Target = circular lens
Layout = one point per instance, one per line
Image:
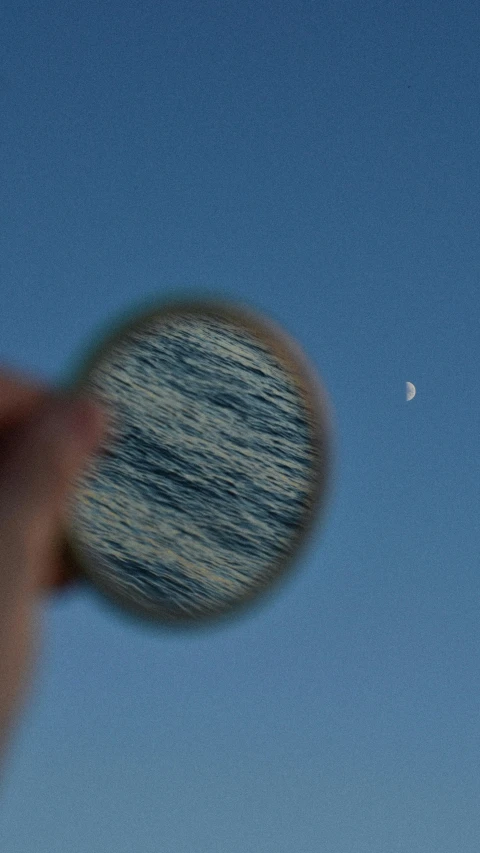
(214, 467)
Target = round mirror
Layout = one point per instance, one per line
(215, 466)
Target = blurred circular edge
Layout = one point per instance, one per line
(316, 402)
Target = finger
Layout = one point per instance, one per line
(37, 469)
(19, 394)
(64, 574)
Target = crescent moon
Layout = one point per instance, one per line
(410, 391)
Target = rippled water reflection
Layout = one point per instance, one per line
(209, 475)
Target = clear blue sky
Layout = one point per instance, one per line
(320, 162)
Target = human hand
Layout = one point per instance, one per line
(45, 441)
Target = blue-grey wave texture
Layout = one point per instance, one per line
(207, 476)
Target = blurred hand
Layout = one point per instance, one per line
(45, 441)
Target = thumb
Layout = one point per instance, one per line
(38, 464)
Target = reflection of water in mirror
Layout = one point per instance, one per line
(209, 475)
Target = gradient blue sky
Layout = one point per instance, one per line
(320, 162)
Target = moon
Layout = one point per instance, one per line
(410, 391)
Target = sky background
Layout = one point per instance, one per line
(318, 161)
